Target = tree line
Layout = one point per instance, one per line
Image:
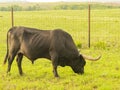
(38, 7)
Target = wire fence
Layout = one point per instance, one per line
(89, 27)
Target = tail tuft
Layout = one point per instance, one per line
(6, 57)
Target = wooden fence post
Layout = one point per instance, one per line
(89, 10)
(12, 17)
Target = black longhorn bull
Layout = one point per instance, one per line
(55, 45)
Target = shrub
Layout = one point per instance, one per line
(79, 45)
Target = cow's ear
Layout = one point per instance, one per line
(80, 55)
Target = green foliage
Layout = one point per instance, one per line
(55, 6)
(71, 7)
(36, 7)
(5, 8)
(79, 45)
(17, 8)
(103, 6)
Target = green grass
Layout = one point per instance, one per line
(101, 75)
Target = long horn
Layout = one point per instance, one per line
(91, 58)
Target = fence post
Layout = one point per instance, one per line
(12, 17)
(89, 9)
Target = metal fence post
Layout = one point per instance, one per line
(12, 17)
(89, 10)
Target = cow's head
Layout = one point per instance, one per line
(78, 64)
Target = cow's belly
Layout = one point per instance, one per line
(34, 53)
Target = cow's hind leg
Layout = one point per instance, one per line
(10, 60)
(19, 60)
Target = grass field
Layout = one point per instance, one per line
(100, 75)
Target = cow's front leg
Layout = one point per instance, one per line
(55, 70)
(19, 60)
(54, 59)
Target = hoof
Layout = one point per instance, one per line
(21, 74)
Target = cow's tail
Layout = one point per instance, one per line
(6, 57)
